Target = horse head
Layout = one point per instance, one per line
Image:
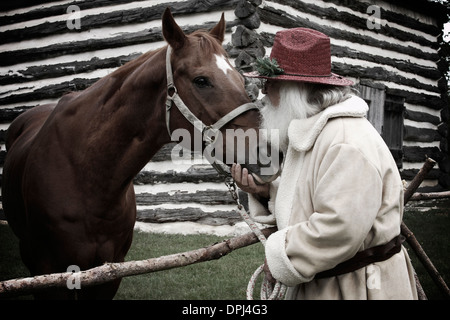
(212, 103)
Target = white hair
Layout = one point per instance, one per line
(298, 100)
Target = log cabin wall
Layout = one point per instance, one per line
(389, 48)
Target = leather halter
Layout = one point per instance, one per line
(207, 130)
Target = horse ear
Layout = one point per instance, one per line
(219, 30)
(171, 31)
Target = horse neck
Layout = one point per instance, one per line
(123, 120)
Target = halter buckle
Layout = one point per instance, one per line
(175, 91)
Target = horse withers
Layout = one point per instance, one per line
(68, 176)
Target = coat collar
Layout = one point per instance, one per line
(303, 133)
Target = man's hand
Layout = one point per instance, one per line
(245, 181)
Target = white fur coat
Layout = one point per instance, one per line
(340, 192)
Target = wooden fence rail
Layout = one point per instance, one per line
(112, 271)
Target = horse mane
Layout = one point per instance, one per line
(208, 43)
(128, 68)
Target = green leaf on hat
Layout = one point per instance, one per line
(268, 67)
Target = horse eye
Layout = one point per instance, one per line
(202, 82)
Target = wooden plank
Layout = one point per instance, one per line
(40, 72)
(189, 214)
(392, 124)
(50, 91)
(67, 48)
(421, 117)
(7, 115)
(420, 154)
(375, 99)
(192, 175)
(409, 174)
(421, 134)
(426, 100)
(209, 197)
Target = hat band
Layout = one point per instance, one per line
(304, 75)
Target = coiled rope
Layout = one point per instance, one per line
(267, 292)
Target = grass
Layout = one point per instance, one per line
(432, 229)
(227, 277)
(224, 279)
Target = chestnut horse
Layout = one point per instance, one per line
(68, 177)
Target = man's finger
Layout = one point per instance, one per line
(237, 173)
(244, 177)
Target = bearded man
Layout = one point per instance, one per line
(338, 203)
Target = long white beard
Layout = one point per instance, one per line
(276, 119)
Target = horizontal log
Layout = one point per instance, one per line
(396, 17)
(112, 271)
(192, 175)
(209, 197)
(7, 115)
(67, 48)
(420, 154)
(420, 134)
(421, 117)
(40, 72)
(418, 196)
(380, 74)
(49, 92)
(56, 10)
(420, 99)
(215, 218)
(409, 174)
(333, 14)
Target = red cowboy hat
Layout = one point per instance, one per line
(302, 55)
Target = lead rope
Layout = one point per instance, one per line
(267, 293)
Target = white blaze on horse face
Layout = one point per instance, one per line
(223, 64)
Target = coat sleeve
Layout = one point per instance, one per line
(346, 195)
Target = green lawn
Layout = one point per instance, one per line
(227, 277)
(432, 230)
